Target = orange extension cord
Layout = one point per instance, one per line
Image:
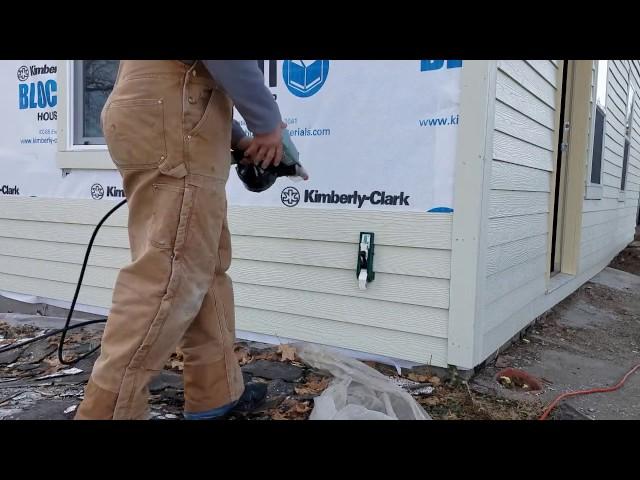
(553, 404)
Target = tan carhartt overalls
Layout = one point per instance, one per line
(168, 129)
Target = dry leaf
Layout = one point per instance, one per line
(287, 352)
(432, 379)
(418, 378)
(291, 409)
(302, 407)
(313, 387)
(243, 354)
(430, 401)
(74, 338)
(300, 411)
(175, 361)
(271, 355)
(179, 364)
(319, 385)
(278, 416)
(54, 364)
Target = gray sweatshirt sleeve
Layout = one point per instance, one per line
(244, 83)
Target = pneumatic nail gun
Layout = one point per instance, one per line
(258, 179)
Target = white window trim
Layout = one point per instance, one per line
(70, 156)
(593, 191)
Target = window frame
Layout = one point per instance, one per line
(69, 155)
(593, 191)
(631, 98)
(77, 84)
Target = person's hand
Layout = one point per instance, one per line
(267, 148)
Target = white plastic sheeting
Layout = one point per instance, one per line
(357, 392)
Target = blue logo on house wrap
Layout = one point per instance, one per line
(304, 78)
(431, 65)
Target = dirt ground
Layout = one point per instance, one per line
(629, 259)
(27, 392)
(590, 340)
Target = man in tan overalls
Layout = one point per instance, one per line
(168, 127)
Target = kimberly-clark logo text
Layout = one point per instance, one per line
(98, 191)
(9, 190)
(290, 197)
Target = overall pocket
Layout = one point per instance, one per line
(169, 204)
(135, 133)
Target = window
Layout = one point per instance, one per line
(628, 130)
(599, 122)
(598, 144)
(93, 81)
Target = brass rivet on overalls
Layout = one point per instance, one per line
(193, 72)
(191, 100)
(159, 101)
(188, 137)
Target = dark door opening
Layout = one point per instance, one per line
(563, 142)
